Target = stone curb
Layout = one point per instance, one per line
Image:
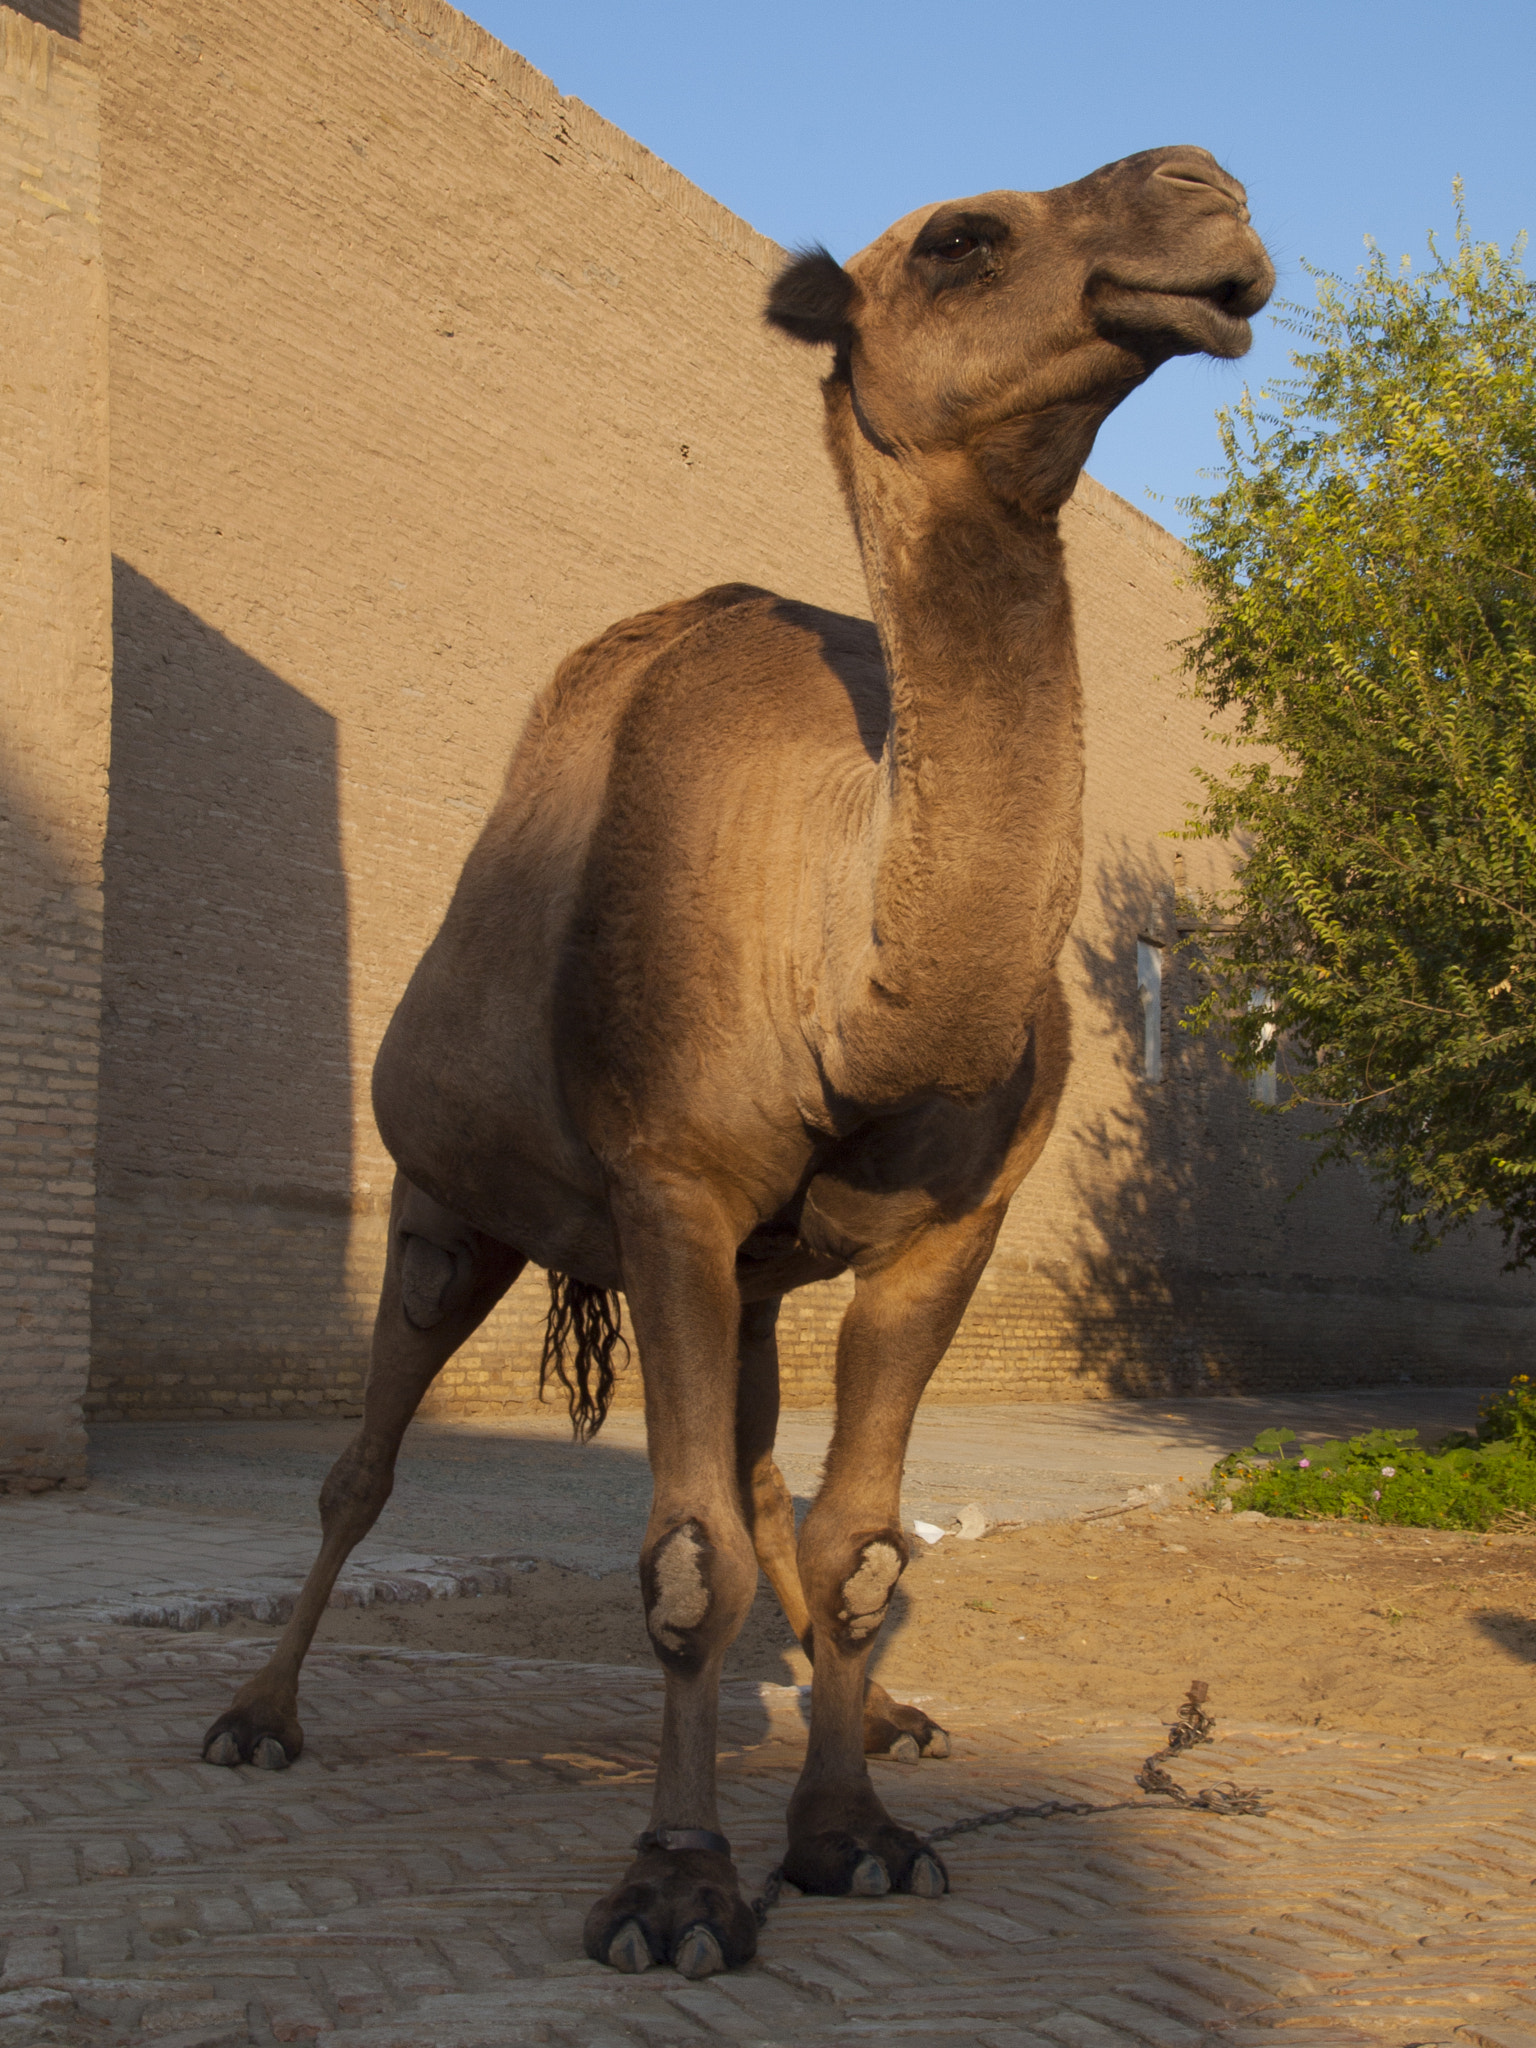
(391, 1581)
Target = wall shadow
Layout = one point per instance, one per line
(62, 16)
(48, 947)
(225, 1134)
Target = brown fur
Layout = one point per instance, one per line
(751, 978)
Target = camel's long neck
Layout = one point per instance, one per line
(977, 835)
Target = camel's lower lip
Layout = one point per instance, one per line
(1234, 323)
(1221, 303)
(1144, 309)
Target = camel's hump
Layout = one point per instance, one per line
(607, 666)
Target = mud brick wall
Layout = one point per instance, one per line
(420, 375)
(54, 721)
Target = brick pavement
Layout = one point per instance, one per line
(418, 1879)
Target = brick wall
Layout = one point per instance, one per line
(54, 699)
(420, 375)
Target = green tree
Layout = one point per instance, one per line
(1369, 565)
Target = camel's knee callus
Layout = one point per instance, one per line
(677, 1595)
(867, 1591)
(355, 1489)
(426, 1273)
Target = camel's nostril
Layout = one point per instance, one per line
(1207, 179)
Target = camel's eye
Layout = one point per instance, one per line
(961, 250)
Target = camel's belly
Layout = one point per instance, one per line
(550, 1223)
(463, 1122)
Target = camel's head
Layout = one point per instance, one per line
(1011, 325)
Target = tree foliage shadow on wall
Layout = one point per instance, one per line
(1178, 1180)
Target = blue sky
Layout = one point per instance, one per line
(827, 122)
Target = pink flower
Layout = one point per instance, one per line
(1389, 1471)
(1376, 1493)
(1305, 1463)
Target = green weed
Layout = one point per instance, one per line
(1469, 1481)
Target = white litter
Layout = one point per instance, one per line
(929, 1531)
(972, 1523)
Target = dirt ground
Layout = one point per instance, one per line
(1402, 1631)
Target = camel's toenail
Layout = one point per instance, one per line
(937, 1743)
(699, 1953)
(870, 1880)
(926, 1878)
(224, 1750)
(904, 1750)
(270, 1755)
(629, 1950)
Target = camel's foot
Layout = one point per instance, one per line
(679, 1906)
(256, 1729)
(902, 1733)
(847, 1844)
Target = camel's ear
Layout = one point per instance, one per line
(813, 298)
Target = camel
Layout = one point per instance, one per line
(751, 981)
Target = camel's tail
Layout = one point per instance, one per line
(587, 1319)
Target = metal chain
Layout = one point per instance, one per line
(1193, 1726)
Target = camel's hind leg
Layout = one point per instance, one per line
(766, 1500)
(890, 1729)
(441, 1281)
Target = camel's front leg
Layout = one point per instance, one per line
(679, 1901)
(890, 1727)
(852, 1552)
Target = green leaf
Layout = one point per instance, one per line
(1329, 1455)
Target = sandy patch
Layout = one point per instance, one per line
(1398, 1630)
